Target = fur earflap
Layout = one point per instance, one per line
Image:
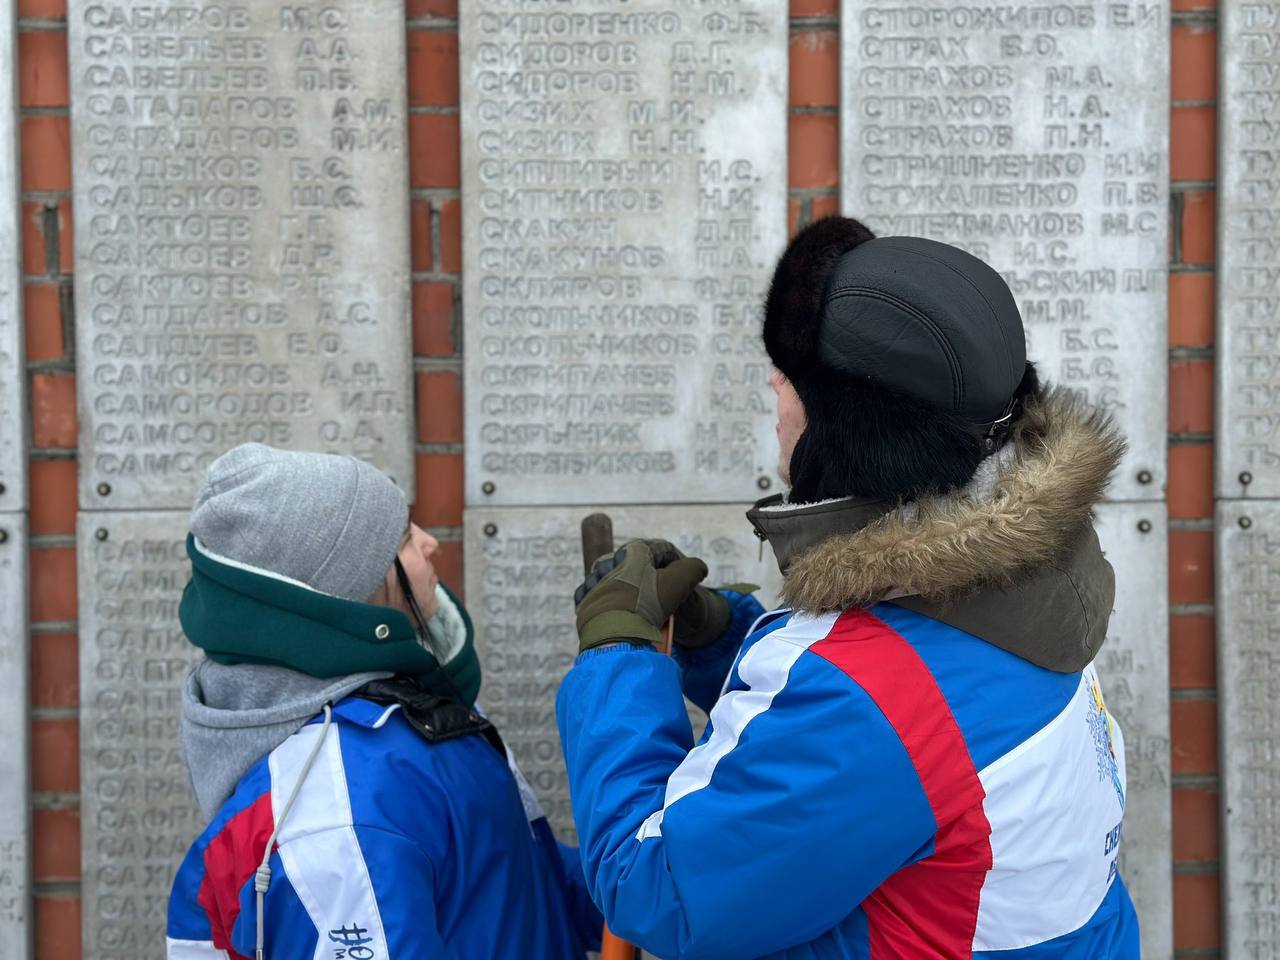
(864, 440)
(794, 304)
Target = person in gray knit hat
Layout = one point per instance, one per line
(333, 742)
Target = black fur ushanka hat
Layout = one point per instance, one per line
(909, 357)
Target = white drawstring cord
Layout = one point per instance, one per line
(262, 877)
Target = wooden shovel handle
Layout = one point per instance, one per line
(597, 542)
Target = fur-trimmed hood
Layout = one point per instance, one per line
(1019, 534)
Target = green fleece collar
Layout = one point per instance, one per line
(239, 615)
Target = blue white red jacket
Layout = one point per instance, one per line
(396, 848)
(875, 782)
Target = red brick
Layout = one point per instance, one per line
(1193, 727)
(433, 68)
(53, 410)
(433, 320)
(53, 583)
(53, 496)
(1191, 396)
(439, 489)
(1191, 653)
(793, 217)
(51, 9)
(46, 153)
(56, 846)
(1191, 309)
(1194, 62)
(1196, 912)
(439, 407)
(1199, 218)
(58, 928)
(55, 670)
(1190, 481)
(42, 63)
(1195, 824)
(448, 563)
(55, 755)
(813, 150)
(1193, 139)
(434, 150)
(1190, 566)
(451, 236)
(815, 68)
(420, 226)
(824, 207)
(815, 8)
(42, 309)
(431, 8)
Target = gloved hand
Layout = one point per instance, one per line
(629, 596)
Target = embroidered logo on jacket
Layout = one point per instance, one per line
(1101, 726)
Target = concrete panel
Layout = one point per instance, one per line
(624, 179)
(13, 392)
(16, 928)
(1248, 345)
(1036, 136)
(242, 239)
(136, 809)
(522, 566)
(1134, 669)
(1248, 571)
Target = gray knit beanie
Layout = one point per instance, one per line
(334, 523)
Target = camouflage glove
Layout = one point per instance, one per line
(629, 596)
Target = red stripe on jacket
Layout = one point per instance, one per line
(930, 908)
(230, 860)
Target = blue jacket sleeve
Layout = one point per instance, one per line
(702, 671)
(800, 804)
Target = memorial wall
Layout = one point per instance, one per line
(1036, 136)
(624, 200)
(1248, 477)
(242, 239)
(16, 928)
(242, 251)
(242, 272)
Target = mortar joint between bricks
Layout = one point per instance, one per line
(44, 112)
(450, 449)
(440, 110)
(42, 24)
(437, 24)
(814, 23)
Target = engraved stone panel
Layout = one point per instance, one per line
(1248, 571)
(522, 566)
(242, 245)
(1134, 669)
(624, 198)
(1035, 136)
(16, 929)
(137, 813)
(13, 426)
(1248, 436)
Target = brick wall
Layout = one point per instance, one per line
(813, 140)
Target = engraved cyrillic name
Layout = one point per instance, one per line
(624, 179)
(241, 238)
(1248, 437)
(13, 429)
(1134, 668)
(137, 813)
(1034, 135)
(16, 928)
(522, 566)
(1248, 692)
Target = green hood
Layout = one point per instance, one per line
(237, 615)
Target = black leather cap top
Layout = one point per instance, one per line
(926, 319)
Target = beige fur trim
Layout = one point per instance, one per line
(1065, 455)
